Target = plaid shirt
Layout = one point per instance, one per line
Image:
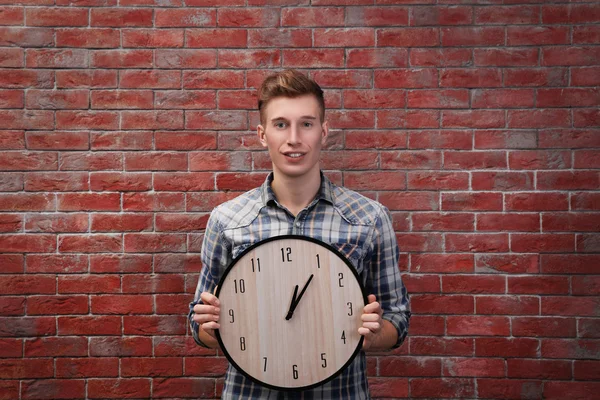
(357, 226)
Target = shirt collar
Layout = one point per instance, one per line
(325, 191)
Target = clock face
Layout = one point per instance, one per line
(291, 307)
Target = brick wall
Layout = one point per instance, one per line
(123, 123)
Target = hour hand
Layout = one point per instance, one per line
(292, 304)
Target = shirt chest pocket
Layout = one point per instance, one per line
(352, 253)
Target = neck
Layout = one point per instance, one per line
(296, 193)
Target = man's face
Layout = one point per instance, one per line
(294, 134)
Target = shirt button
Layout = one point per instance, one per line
(298, 224)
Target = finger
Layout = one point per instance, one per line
(364, 332)
(372, 308)
(204, 309)
(372, 326)
(208, 298)
(203, 318)
(210, 326)
(371, 298)
(370, 318)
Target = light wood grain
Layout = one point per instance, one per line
(317, 323)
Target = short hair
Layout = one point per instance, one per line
(288, 83)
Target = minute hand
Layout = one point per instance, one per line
(295, 304)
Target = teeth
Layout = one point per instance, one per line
(294, 155)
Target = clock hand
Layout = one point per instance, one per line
(292, 304)
(291, 312)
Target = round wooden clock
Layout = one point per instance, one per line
(291, 307)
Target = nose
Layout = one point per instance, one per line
(294, 136)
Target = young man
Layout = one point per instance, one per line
(297, 198)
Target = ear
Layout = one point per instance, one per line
(260, 131)
(325, 133)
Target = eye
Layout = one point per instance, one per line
(280, 125)
(307, 124)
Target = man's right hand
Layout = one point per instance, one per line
(207, 316)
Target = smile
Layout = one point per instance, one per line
(294, 155)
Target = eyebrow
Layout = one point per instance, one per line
(302, 117)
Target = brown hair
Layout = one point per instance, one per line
(288, 83)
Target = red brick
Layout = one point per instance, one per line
(56, 222)
(118, 388)
(444, 139)
(567, 97)
(422, 283)
(444, 57)
(507, 15)
(586, 285)
(442, 387)
(206, 366)
(56, 346)
(427, 325)
(477, 325)
(574, 390)
(312, 16)
(154, 325)
(537, 35)
(119, 99)
(572, 306)
(344, 37)
(539, 159)
(474, 160)
(512, 389)
(125, 181)
(59, 305)
(88, 38)
(182, 387)
(11, 15)
(569, 263)
(53, 389)
(475, 284)
(557, 180)
(214, 79)
(249, 17)
(473, 36)
(583, 118)
(121, 17)
(150, 79)
(507, 263)
(182, 181)
(571, 13)
(472, 201)
(12, 99)
(128, 263)
(89, 326)
(162, 283)
(154, 243)
(56, 16)
(540, 118)
(441, 263)
(536, 77)
(507, 305)
(506, 57)
(12, 263)
(151, 367)
(122, 304)
(480, 367)
(409, 366)
(438, 99)
(586, 159)
(56, 181)
(471, 78)
(86, 78)
(406, 78)
(398, 119)
(544, 327)
(376, 16)
(222, 38)
(427, 201)
(153, 201)
(408, 37)
(88, 284)
(12, 58)
(585, 76)
(503, 347)
(432, 15)
(565, 55)
(122, 59)
(181, 222)
(445, 346)
(377, 58)
(28, 243)
(87, 367)
(548, 201)
(18, 119)
(502, 98)
(586, 370)
(343, 79)
(185, 17)
(442, 304)
(438, 181)
(88, 202)
(313, 58)
(502, 181)
(26, 36)
(118, 346)
(12, 306)
(565, 222)
(570, 348)
(57, 58)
